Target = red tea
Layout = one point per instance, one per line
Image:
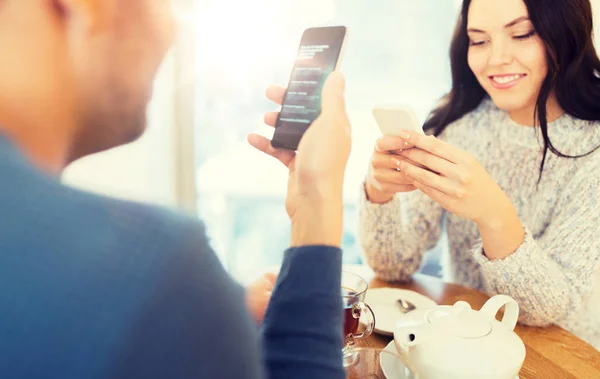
(351, 315)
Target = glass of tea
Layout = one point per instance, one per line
(354, 289)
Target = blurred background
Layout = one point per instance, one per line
(209, 96)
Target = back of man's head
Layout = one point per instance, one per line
(76, 75)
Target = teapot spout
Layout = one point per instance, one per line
(407, 338)
(412, 336)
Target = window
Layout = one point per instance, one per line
(397, 52)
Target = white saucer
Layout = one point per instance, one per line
(392, 367)
(383, 302)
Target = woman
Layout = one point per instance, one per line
(515, 166)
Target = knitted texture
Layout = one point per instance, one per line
(555, 274)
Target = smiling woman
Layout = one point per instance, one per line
(527, 65)
(518, 41)
(514, 167)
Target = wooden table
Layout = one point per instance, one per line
(552, 353)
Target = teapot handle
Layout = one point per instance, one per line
(511, 312)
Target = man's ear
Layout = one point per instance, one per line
(90, 16)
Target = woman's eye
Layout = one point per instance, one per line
(525, 36)
(477, 43)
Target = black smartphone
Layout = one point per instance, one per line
(318, 56)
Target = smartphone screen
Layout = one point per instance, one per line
(318, 56)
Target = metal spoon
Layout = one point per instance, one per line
(405, 305)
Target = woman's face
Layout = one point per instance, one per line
(506, 55)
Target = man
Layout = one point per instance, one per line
(92, 287)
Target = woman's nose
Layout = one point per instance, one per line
(500, 54)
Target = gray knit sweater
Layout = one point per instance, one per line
(555, 273)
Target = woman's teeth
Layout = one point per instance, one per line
(506, 79)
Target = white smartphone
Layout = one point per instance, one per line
(319, 54)
(392, 119)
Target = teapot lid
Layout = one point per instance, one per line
(460, 320)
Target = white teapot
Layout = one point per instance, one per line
(457, 342)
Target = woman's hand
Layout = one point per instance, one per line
(384, 179)
(454, 179)
(258, 295)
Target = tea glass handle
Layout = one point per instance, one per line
(359, 309)
(511, 312)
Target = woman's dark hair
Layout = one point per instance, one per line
(566, 29)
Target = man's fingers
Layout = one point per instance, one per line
(271, 118)
(332, 96)
(263, 144)
(276, 94)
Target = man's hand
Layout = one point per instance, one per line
(314, 199)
